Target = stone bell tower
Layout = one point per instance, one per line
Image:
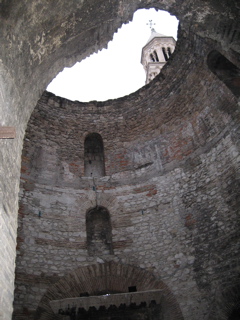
(156, 53)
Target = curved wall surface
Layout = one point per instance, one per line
(171, 155)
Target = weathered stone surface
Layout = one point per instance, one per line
(172, 168)
(169, 216)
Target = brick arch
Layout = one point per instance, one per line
(227, 301)
(111, 277)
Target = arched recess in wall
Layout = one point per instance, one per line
(109, 277)
(94, 163)
(99, 231)
(225, 70)
(227, 303)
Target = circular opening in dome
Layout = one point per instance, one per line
(117, 71)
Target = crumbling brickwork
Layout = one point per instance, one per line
(170, 187)
(171, 153)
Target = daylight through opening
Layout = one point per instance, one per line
(120, 69)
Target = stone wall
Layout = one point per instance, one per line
(170, 187)
(38, 40)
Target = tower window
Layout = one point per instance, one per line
(169, 52)
(152, 57)
(165, 53)
(94, 165)
(99, 231)
(156, 56)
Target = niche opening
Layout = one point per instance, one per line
(94, 165)
(225, 70)
(99, 231)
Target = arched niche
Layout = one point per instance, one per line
(235, 315)
(225, 70)
(99, 231)
(226, 305)
(94, 165)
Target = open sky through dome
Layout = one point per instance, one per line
(114, 72)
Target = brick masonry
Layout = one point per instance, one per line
(170, 188)
(171, 184)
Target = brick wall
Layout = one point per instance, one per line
(170, 188)
(37, 41)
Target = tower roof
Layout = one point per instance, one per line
(155, 34)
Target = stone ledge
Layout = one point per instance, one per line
(108, 300)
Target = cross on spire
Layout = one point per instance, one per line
(151, 24)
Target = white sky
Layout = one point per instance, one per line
(116, 71)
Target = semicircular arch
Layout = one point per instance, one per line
(226, 304)
(111, 277)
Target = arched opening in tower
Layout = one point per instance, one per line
(94, 165)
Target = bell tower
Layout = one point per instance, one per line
(156, 53)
